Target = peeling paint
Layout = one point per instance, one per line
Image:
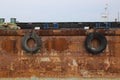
(45, 59)
(75, 63)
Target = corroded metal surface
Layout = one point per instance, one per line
(35, 78)
(62, 55)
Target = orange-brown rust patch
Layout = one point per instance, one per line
(9, 44)
(31, 43)
(95, 43)
(58, 44)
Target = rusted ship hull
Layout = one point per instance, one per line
(62, 55)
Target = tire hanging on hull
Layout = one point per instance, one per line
(98, 36)
(36, 39)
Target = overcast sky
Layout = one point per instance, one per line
(58, 10)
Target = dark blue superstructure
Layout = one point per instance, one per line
(69, 25)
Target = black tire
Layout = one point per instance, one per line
(36, 39)
(100, 37)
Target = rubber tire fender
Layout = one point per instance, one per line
(36, 39)
(100, 37)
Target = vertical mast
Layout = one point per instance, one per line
(106, 13)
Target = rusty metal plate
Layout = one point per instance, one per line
(61, 56)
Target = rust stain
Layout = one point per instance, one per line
(31, 43)
(58, 44)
